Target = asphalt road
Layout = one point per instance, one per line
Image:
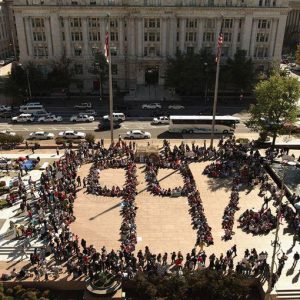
(159, 131)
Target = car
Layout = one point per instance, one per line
(5, 108)
(175, 106)
(120, 117)
(82, 118)
(151, 106)
(30, 104)
(41, 135)
(7, 132)
(2, 62)
(84, 105)
(72, 134)
(40, 113)
(104, 124)
(28, 118)
(138, 134)
(160, 120)
(90, 112)
(50, 118)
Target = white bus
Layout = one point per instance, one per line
(202, 124)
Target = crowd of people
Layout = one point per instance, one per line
(49, 208)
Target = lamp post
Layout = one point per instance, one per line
(206, 81)
(286, 160)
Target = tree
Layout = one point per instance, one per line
(241, 71)
(276, 104)
(190, 73)
(298, 55)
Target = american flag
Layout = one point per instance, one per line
(106, 46)
(220, 43)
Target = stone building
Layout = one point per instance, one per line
(144, 33)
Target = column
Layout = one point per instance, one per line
(245, 39)
(103, 22)
(172, 35)
(253, 38)
(235, 35)
(163, 37)
(29, 37)
(121, 37)
(140, 37)
(131, 37)
(182, 25)
(48, 36)
(55, 35)
(272, 37)
(67, 36)
(200, 34)
(22, 38)
(85, 37)
(280, 36)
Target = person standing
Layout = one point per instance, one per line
(296, 258)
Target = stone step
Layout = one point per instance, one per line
(288, 294)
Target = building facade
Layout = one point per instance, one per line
(5, 35)
(292, 31)
(144, 33)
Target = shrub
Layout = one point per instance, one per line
(10, 139)
(60, 140)
(90, 138)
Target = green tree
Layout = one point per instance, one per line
(241, 71)
(276, 105)
(298, 55)
(190, 73)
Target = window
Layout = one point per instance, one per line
(263, 24)
(190, 50)
(113, 23)
(210, 23)
(240, 23)
(260, 2)
(40, 51)
(145, 51)
(261, 52)
(94, 36)
(37, 22)
(191, 37)
(190, 23)
(208, 37)
(152, 36)
(267, 3)
(63, 36)
(114, 36)
(177, 36)
(62, 24)
(262, 37)
(78, 69)
(39, 36)
(114, 69)
(75, 22)
(227, 36)
(239, 37)
(94, 22)
(145, 36)
(152, 23)
(227, 23)
(152, 51)
(77, 52)
(76, 36)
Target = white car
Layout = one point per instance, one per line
(175, 106)
(71, 134)
(23, 118)
(5, 108)
(50, 119)
(82, 118)
(90, 112)
(138, 134)
(85, 105)
(30, 104)
(160, 120)
(7, 132)
(41, 135)
(151, 106)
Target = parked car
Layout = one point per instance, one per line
(50, 118)
(90, 112)
(104, 124)
(138, 134)
(175, 106)
(82, 118)
(84, 105)
(41, 135)
(72, 134)
(40, 113)
(120, 117)
(151, 106)
(23, 118)
(7, 132)
(5, 108)
(160, 120)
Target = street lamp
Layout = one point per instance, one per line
(286, 160)
(206, 82)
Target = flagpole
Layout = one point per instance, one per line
(218, 58)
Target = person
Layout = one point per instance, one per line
(57, 151)
(23, 251)
(78, 181)
(296, 258)
(32, 149)
(233, 250)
